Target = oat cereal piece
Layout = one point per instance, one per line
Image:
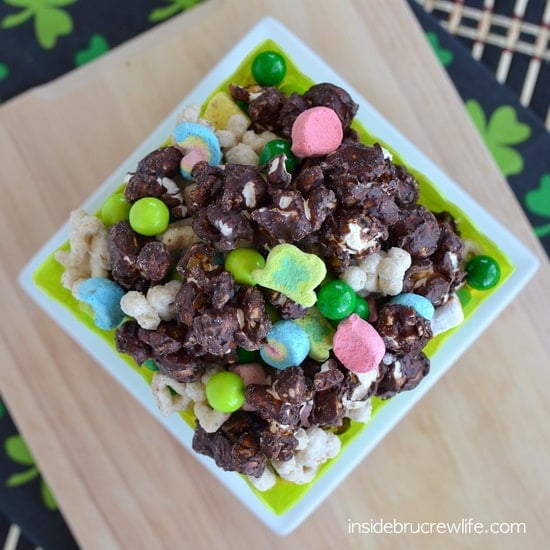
(238, 125)
(209, 419)
(170, 395)
(316, 446)
(88, 255)
(265, 482)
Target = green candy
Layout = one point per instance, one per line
(225, 391)
(362, 308)
(247, 356)
(336, 300)
(240, 262)
(150, 364)
(292, 272)
(149, 216)
(277, 147)
(483, 272)
(320, 333)
(115, 209)
(269, 68)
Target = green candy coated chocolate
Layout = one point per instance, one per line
(225, 391)
(115, 209)
(362, 308)
(149, 216)
(277, 147)
(483, 272)
(247, 356)
(240, 262)
(336, 300)
(269, 68)
(150, 364)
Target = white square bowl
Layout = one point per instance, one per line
(523, 261)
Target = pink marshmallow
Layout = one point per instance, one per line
(251, 373)
(191, 158)
(357, 345)
(316, 132)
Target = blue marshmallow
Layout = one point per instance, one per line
(103, 295)
(420, 304)
(287, 345)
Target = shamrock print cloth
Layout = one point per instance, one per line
(25, 497)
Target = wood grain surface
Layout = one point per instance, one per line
(475, 447)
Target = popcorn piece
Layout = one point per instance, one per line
(149, 310)
(315, 447)
(88, 255)
(360, 411)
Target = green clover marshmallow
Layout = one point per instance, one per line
(294, 273)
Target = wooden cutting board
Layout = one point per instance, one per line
(475, 447)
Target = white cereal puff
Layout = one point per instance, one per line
(237, 125)
(242, 154)
(161, 298)
(355, 277)
(135, 304)
(258, 141)
(149, 310)
(226, 138)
